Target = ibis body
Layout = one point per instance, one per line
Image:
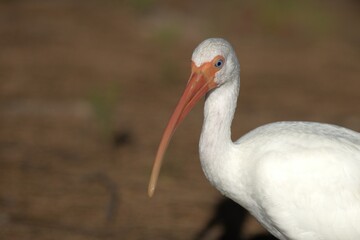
(301, 180)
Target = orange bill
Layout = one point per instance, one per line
(201, 81)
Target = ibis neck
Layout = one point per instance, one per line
(215, 140)
(219, 110)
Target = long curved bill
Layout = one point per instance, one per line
(201, 81)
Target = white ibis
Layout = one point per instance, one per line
(301, 180)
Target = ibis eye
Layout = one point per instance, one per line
(219, 63)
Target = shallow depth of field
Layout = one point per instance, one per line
(87, 87)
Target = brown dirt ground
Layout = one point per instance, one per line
(86, 88)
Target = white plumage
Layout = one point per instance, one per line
(301, 180)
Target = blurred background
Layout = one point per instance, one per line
(86, 88)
